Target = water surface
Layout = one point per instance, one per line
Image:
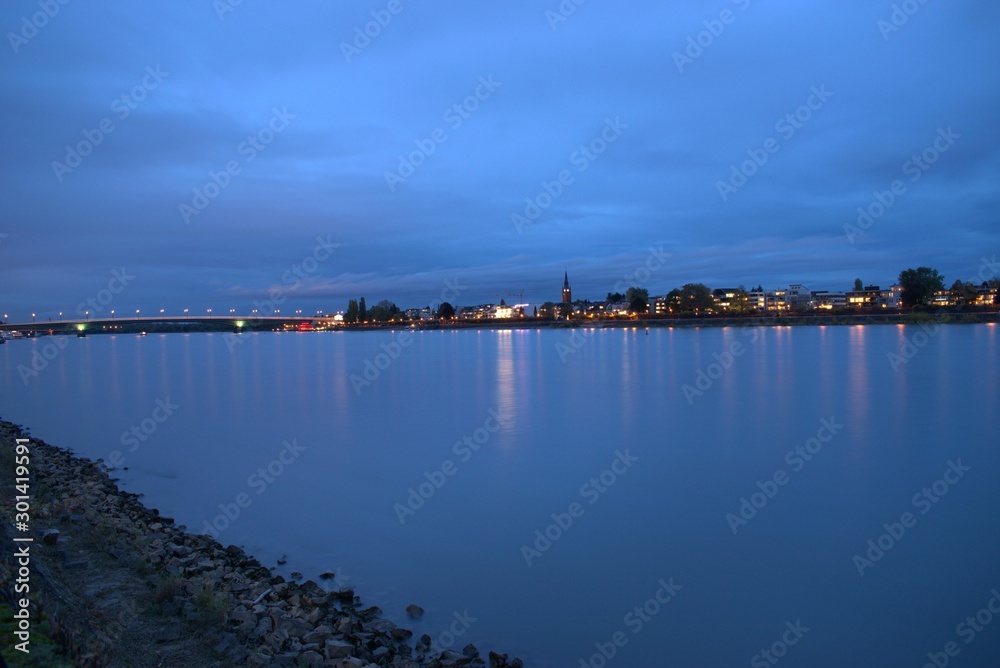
(545, 413)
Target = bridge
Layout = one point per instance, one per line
(195, 322)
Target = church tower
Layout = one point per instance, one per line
(567, 294)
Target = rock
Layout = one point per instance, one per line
(311, 658)
(171, 633)
(414, 610)
(258, 659)
(318, 635)
(285, 659)
(336, 649)
(384, 626)
(451, 658)
(401, 634)
(327, 575)
(314, 615)
(470, 651)
(227, 643)
(345, 625)
(297, 627)
(50, 536)
(282, 560)
(236, 553)
(241, 615)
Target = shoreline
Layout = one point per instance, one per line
(957, 316)
(116, 583)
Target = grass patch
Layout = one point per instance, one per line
(166, 589)
(43, 652)
(213, 605)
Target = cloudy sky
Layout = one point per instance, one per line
(221, 152)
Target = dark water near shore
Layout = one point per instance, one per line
(599, 445)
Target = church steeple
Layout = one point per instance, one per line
(567, 294)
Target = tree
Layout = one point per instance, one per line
(352, 311)
(963, 293)
(691, 297)
(615, 297)
(362, 310)
(446, 311)
(384, 311)
(858, 285)
(638, 300)
(740, 301)
(548, 310)
(919, 285)
(565, 309)
(502, 302)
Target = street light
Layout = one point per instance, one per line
(112, 314)
(185, 311)
(32, 318)
(88, 316)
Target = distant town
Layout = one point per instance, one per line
(920, 288)
(917, 293)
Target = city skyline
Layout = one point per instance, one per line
(102, 305)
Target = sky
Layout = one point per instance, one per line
(228, 154)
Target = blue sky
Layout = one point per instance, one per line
(648, 112)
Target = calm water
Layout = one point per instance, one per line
(568, 405)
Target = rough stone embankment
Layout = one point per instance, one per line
(116, 584)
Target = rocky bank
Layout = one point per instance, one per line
(117, 584)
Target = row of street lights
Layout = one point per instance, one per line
(208, 311)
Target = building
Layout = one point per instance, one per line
(567, 294)
(942, 298)
(830, 301)
(777, 300)
(873, 297)
(867, 298)
(480, 312)
(891, 298)
(986, 295)
(619, 308)
(505, 311)
(726, 299)
(799, 298)
(756, 300)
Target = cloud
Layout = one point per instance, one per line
(325, 173)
